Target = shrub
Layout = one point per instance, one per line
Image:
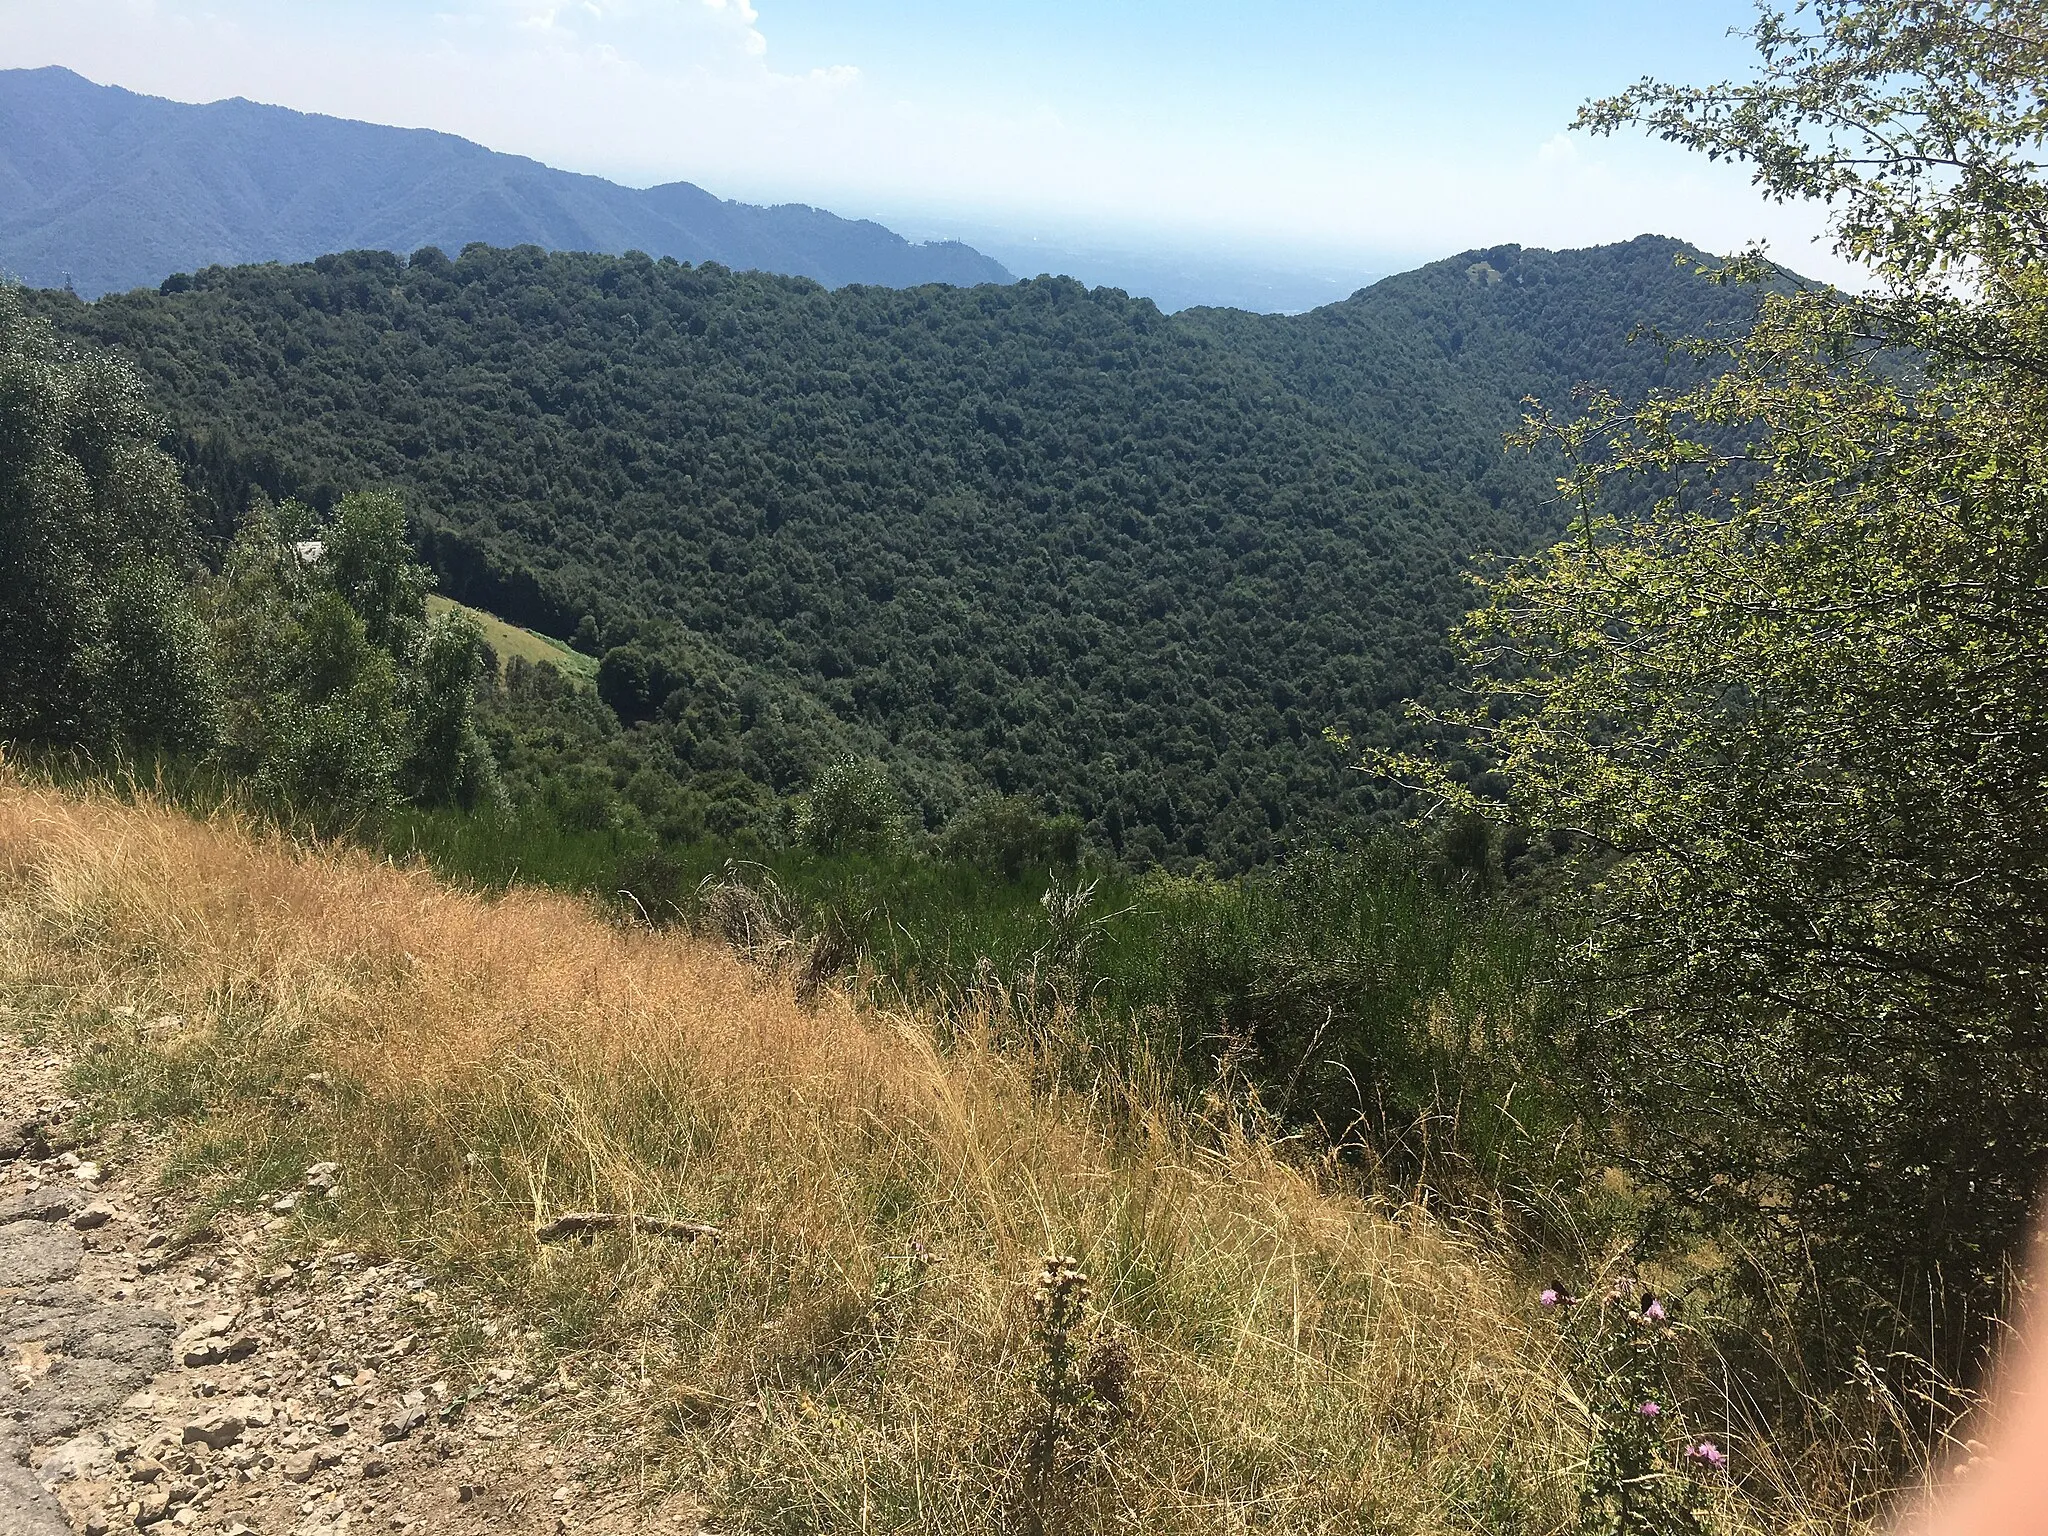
(852, 807)
(1005, 835)
(1793, 714)
(634, 682)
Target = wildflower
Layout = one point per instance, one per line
(1061, 1295)
(1549, 1299)
(1650, 1410)
(1654, 1312)
(1708, 1454)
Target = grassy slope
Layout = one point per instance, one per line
(509, 640)
(1300, 1358)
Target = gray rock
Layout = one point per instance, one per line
(209, 1343)
(62, 1298)
(402, 1423)
(76, 1391)
(39, 1205)
(33, 1254)
(217, 1431)
(136, 1338)
(300, 1468)
(74, 1324)
(99, 1354)
(255, 1412)
(25, 1508)
(86, 1455)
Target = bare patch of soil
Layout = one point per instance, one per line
(156, 1380)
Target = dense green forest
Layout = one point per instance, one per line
(1033, 540)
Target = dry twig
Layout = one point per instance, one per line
(585, 1224)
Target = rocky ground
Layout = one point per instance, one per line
(212, 1384)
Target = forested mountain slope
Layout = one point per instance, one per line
(1418, 358)
(117, 190)
(1048, 538)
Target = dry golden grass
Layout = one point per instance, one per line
(1300, 1359)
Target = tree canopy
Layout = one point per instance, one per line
(99, 646)
(1796, 713)
(306, 666)
(1032, 540)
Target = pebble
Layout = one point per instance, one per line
(402, 1423)
(217, 1431)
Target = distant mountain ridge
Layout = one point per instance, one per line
(110, 190)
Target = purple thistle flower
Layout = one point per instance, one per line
(1649, 1410)
(1654, 1312)
(1549, 1299)
(1709, 1454)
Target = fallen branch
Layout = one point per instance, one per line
(585, 1224)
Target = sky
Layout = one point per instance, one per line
(1327, 135)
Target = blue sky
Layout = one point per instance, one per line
(1360, 134)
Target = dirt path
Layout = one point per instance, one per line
(212, 1386)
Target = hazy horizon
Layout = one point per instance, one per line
(1317, 142)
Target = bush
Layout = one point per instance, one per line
(1004, 835)
(1792, 711)
(1354, 990)
(153, 673)
(852, 807)
(634, 682)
